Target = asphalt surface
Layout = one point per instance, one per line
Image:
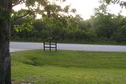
(20, 46)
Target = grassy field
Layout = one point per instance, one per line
(68, 67)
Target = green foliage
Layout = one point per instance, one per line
(102, 28)
(24, 26)
(23, 13)
(122, 3)
(120, 34)
(27, 26)
(102, 9)
(104, 25)
(56, 22)
(72, 25)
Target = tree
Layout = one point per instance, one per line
(102, 9)
(103, 22)
(120, 2)
(5, 62)
(104, 25)
(119, 33)
(34, 7)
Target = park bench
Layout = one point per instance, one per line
(49, 44)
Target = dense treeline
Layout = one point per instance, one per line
(102, 27)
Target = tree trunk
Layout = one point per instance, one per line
(5, 59)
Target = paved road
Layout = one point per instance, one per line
(19, 46)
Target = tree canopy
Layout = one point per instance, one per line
(122, 3)
(102, 26)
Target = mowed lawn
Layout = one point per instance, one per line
(68, 67)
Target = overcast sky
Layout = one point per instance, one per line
(86, 7)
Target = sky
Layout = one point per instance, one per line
(86, 7)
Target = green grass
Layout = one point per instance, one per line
(69, 67)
